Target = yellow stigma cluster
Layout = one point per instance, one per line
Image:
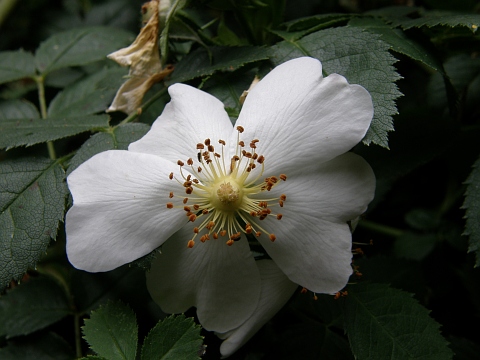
(220, 196)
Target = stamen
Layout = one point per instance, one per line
(228, 202)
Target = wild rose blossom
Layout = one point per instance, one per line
(283, 175)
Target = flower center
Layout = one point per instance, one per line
(225, 199)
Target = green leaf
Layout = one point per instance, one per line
(318, 338)
(363, 59)
(414, 246)
(32, 202)
(90, 290)
(164, 36)
(197, 63)
(403, 274)
(445, 18)
(33, 305)
(307, 23)
(472, 206)
(389, 12)
(41, 346)
(88, 96)
(145, 262)
(423, 219)
(420, 135)
(15, 65)
(226, 36)
(118, 138)
(18, 109)
(229, 87)
(298, 28)
(464, 73)
(63, 77)
(175, 337)
(313, 341)
(385, 323)
(464, 348)
(112, 331)
(79, 47)
(399, 42)
(19, 132)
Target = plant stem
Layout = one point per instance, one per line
(5, 7)
(78, 336)
(379, 228)
(43, 111)
(144, 107)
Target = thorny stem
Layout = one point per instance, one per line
(144, 107)
(379, 228)
(43, 111)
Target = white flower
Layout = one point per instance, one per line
(283, 175)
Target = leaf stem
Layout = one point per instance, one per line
(78, 336)
(145, 106)
(40, 80)
(380, 228)
(5, 7)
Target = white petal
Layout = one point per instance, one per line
(188, 119)
(338, 190)
(221, 281)
(313, 241)
(276, 291)
(119, 209)
(302, 118)
(312, 252)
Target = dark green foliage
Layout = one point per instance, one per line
(32, 202)
(382, 322)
